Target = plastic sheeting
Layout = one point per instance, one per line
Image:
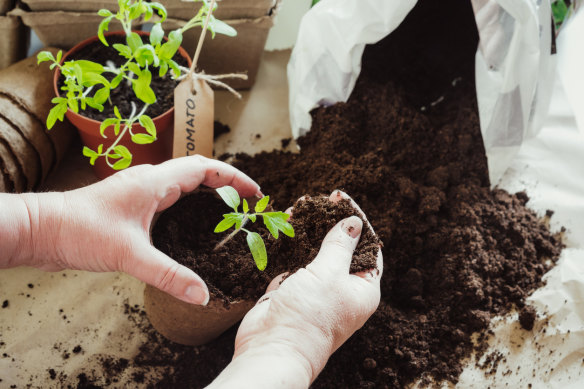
(514, 66)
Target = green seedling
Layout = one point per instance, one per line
(87, 83)
(274, 221)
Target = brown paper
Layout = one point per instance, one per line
(13, 40)
(227, 9)
(194, 113)
(71, 5)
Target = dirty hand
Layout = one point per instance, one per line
(105, 226)
(287, 338)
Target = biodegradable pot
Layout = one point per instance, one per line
(186, 323)
(153, 153)
(190, 324)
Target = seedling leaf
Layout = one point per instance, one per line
(258, 250)
(262, 204)
(230, 196)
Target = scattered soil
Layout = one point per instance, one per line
(220, 129)
(123, 95)
(185, 233)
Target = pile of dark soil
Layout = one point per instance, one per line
(185, 233)
(408, 148)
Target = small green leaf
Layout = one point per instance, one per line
(134, 68)
(101, 95)
(148, 124)
(175, 68)
(142, 89)
(262, 204)
(156, 34)
(117, 112)
(44, 56)
(134, 41)
(124, 50)
(103, 26)
(105, 124)
(219, 27)
(89, 66)
(170, 47)
(225, 224)
(160, 10)
(92, 103)
(252, 217)
(245, 206)
(92, 155)
(230, 196)
(57, 112)
(142, 139)
(123, 152)
(116, 81)
(122, 163)
(258, 249)
(73, 104)
(163, 69)
(104, 12)
(277, 221)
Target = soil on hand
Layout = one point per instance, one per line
(407, 147)
(123, 95)
(185, 233)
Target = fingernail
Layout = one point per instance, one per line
(352, 226)
(259, 194)
(197, 295)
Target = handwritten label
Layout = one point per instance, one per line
(194, 112)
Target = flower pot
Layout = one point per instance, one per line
(191, 324)
(153, 153)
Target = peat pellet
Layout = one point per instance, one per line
(13, 177)
(32, 130)
(25, 154)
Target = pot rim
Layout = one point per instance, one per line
(92, 39)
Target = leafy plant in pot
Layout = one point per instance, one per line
(118, 86)
(185, 233)
(207, 252)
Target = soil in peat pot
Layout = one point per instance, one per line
(407, 147)
(123, 95)
(185, 233)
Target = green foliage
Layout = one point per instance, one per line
(561, 10)
(88, 83)
(274, 222)
(314, 2)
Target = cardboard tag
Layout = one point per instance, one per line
(194, 112)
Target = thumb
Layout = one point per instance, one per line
(164, 273)
(336, 251)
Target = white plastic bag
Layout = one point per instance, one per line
(514, 67)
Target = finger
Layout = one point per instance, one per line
(373, 275)
(157, 269)
(336, 251)
(190, 172)
(276, 282)
(338, 195)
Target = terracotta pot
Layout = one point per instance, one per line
(190, 324)
(153, 153)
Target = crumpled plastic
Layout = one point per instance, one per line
(514, 65)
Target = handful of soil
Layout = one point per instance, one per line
(185, 233)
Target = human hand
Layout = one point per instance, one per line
(287, 338)
(106, 226)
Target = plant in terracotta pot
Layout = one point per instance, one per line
(123, 83)
(185, 232)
